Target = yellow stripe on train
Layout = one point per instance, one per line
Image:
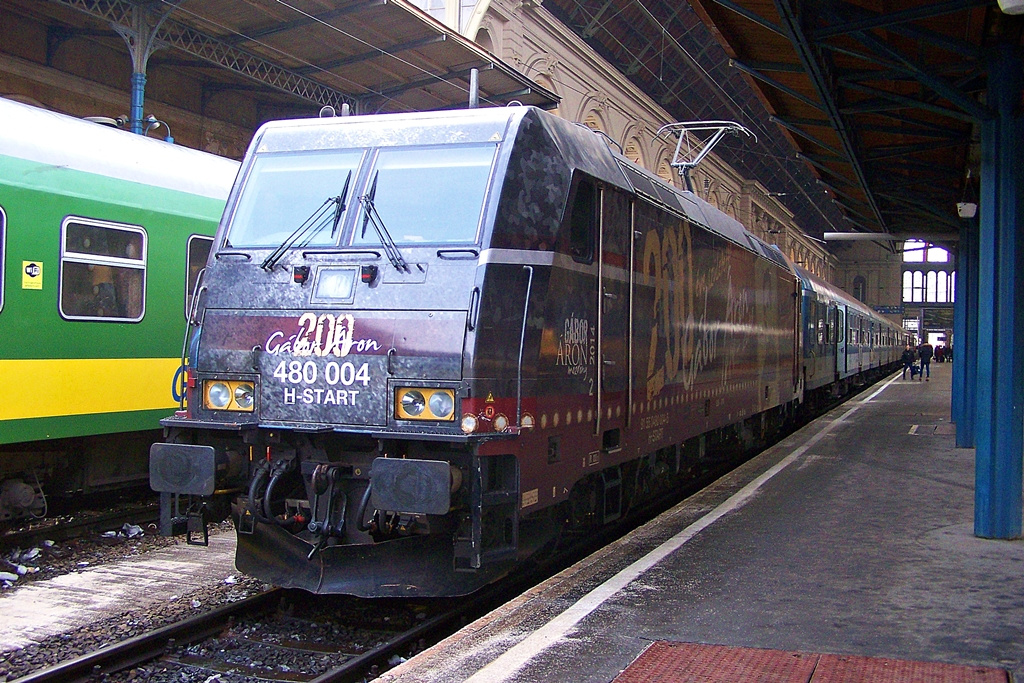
(85, 386)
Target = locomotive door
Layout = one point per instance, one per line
(614, 241)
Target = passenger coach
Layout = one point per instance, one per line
(101, 233)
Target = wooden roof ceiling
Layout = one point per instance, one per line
(877, 101)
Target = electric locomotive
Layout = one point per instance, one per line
(100, 232)
(426, 344)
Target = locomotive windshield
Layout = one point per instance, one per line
(430, 195)
(284, 190)
(423, 195)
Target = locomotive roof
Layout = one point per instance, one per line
(46, 137)
(697, 210)
(580, 147)
(384, 130)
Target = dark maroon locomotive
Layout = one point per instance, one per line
(426, 343)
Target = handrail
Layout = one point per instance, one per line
(189, 324)
(522, 342)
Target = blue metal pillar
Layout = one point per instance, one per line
(141, 38)
(999, 419)
(138, 98)
(965, 334)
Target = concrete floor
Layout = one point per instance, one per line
(853, 536)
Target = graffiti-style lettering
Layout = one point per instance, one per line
(690, 328)
(321, 335)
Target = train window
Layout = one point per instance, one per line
(195, 260)
(3, 253)
(583, 221)
(429, 195)
(821, 323)
(286, 190)
(102, 271)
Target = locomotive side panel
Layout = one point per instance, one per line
(714, 322)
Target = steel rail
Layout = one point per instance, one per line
(148, 646)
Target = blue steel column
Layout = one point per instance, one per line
(965, 334)
(1000, 387)
(138, 98)
(140, 37)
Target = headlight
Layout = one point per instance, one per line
(441, 404)
(218, 395)
(233, 395)
(413, 403)
(425, 404)
(243, 396)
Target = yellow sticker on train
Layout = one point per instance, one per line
(31, 274)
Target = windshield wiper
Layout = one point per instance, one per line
(312, 226)
(372, 216)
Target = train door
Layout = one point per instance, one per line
(841, 340)
(615, 247)
(798, 314)
(861, 332)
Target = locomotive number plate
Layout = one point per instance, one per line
(324, 390)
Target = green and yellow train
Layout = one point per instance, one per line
(102, 236)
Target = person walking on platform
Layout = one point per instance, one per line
(909, 356)
(925, 351)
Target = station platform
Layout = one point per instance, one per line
(844, 553)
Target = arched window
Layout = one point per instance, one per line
(930, 287)
(937, 255)
(913, 251)
(942, 289)
(952, 287)
(908, 286)
(483, 39)
(859, 288)
(666, 173)
(632, 152)
(545, 81)
(918, 294)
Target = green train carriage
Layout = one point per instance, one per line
(102, 234)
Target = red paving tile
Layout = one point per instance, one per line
(665, 662)
(850, 669)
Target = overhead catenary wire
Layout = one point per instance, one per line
(227, 30)
(784, 162)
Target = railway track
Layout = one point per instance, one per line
(278, 635)
(79, 523)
